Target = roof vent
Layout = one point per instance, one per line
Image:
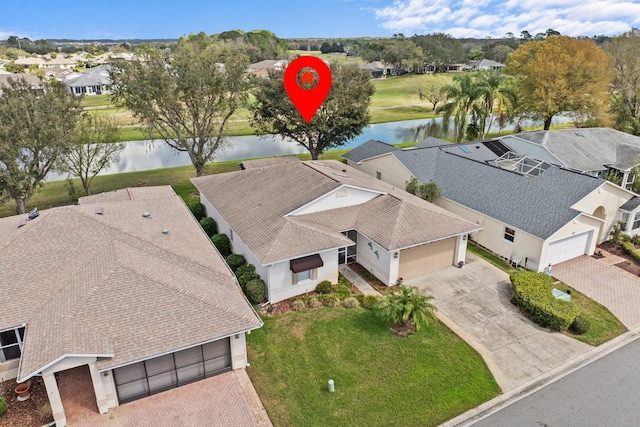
(146, 214)
(340, 174)
(23, 222)
(165, 231)
(98, 210)
(33, 214)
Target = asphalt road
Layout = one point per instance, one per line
(603, 393)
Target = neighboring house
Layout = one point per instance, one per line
(94, 81)
(127, 284)
(484, 65)
(269, 161)
(455, 68)
(261, 69)
(59, 62)
(61, 74)
(34, 81)
(297, 222)
(595, 151)
(377, 71)
(27, 62)
(531, 211)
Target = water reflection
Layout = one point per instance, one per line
(154, 154)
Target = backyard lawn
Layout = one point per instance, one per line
(380, 379)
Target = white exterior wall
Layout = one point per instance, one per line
(392, 170)
(238, 351)
(524, 245)
(9, 370)
(461, 250)
(280, 278)
(380, 265)
(109, 386)
(341, 197)
(579, 225)
(609, 196)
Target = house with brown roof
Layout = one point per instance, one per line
(127, 284)
(297, 222)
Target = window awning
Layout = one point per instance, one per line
(306, 263)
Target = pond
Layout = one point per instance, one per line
(155, 154)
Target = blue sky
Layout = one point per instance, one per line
(307, 18)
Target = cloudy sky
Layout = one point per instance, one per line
(305, 18)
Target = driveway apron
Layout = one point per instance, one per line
(474, 301)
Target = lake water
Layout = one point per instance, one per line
(154, 154)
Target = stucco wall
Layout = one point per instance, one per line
(392, 170)
(609, 196)
(379, 265)
(238, 351)
(340, 197)
(579, 225)
(9, 370)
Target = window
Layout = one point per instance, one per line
(11, 344)
(636, 221)
(623, 220)
(509, 234)
(378, 175)
(303, 275)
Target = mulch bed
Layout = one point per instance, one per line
(35, 411)
(370, 279)
(631, 265)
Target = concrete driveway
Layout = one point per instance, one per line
(600, 280)
(475, 303)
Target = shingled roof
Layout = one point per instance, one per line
(100, 279)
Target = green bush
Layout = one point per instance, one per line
(324, 287)
(369, 301)
(255, 291)
(245, 268)
(581, 324)
(198, 210)
(3, 406)
(350, 302)
(532, 293)
(314, 302)
(209, 226)
(330, 300)
(343, 291)
(234, 261)
(629, 248)
(221, 241)
(245, 278)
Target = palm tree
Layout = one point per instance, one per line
(406, 308)
(462, 95)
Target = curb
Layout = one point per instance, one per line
(502, 401)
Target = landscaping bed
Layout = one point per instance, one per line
(630, 265)
(33, 412)
(380, 379)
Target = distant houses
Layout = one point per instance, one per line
(94, 81)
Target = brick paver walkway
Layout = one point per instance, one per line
(226, 400)
(616, 289)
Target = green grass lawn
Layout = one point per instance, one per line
(331, 57)
(604, 325)
(490, 257)
(380, 379)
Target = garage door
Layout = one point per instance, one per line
(172, 370)
(566, 249)
(425, 258)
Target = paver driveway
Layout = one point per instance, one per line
(475, 302)
(616, 289)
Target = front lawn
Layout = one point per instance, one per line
(380, 379)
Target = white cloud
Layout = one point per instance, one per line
(494, 18)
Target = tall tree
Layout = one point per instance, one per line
(36, 129)
(92, 150)
(441, 49)
(188, 96)
(625, 89)
(401, 52)
(561, 74)
(341, 117)
(432, 88)
(463, 93)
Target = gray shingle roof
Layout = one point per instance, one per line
(113, 284)
(631, 204)
(369, 149)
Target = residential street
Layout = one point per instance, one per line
(603, 393)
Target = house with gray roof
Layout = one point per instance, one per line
(297, 222)
(126, 284)
(532, 212)
(94, 81)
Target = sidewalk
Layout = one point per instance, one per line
(357, 281)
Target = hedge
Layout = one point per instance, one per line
(209, 226)
(532, 293)
(235, 260)
(255, 291)
(198, 210)
(221, 241)
(629, 248)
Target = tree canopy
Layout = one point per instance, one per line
(626, 84)
(341, 117)
(188, 96)
(441, 49)
(561, 74)
(36, 130)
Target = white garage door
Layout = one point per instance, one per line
(566, 249)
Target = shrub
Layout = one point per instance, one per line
(350, 302)
(3, 406)
(532, 292)
(330, 300)
(245, 268)
(342, 291)
(245, 278)
(314, 302)
(234, 261)
(298, 305)
(209, 226)
(369, 301)
(221, 241)
(360, 298)
(324, 287)
(581, 324)
(255, 291)
(629, 248)
(198, 210)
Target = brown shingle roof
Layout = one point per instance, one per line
(270, 161)
(258, 205)
(114, 284)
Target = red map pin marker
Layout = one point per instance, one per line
(307, 81)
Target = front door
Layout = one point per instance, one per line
(348, 255)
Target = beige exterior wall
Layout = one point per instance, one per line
(426, 258)
(525, 246)
(391, 169)
(610, 197)
(580, 224)
(341, 197)
(9, 370)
